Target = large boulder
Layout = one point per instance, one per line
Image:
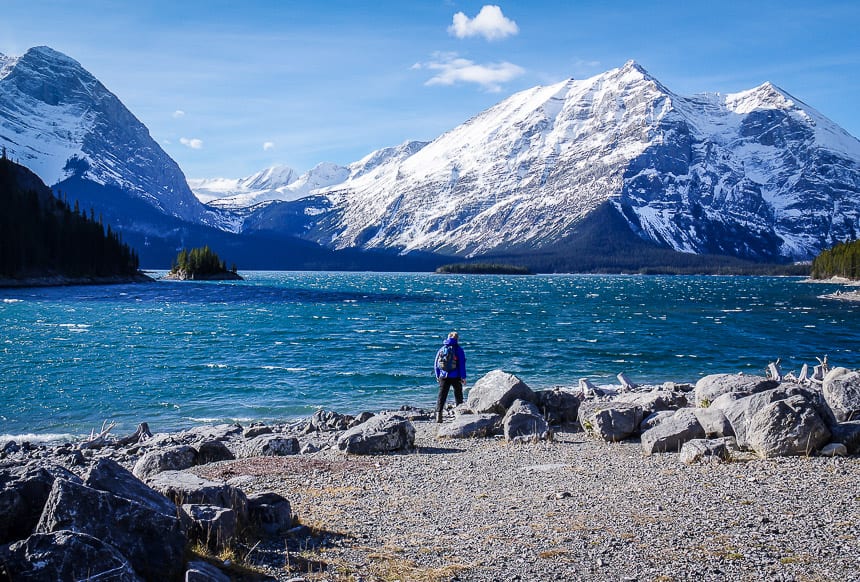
(523, 421)
(24, 489)
(153, 542)
(64, 555)
(176, 458)
(841, 389)
(182, 487)
(655, 400)
(787, 427)
(269, 445)
(672, 433)
(611, 421)
(386, 432)
(212, 451)
(740, 412)
(709, 388)
(698, 449)
(270, 512)
(496, 391)
(469, 426)
(327, 420)
(210, 525)
(108, 475)
(200, 571)
(847, 433)
(714, 422)
(558, 406)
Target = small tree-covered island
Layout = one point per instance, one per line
(201, 264)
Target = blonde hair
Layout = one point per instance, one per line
(454, 335)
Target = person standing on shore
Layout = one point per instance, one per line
(450, 368)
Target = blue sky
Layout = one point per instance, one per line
(229, 88)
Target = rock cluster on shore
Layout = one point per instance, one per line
(128, 508)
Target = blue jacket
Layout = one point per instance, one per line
(460, 372)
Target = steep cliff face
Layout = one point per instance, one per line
(757, 174)
(59, 120)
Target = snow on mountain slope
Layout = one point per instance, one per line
(59, 120)
(756, 174)
(281, 183)
(521, 173)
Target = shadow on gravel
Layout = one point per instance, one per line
(438, 451)
(300, 552)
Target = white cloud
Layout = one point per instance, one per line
(451, 69)
(193, 143)
(268, 146)
(178, 113)
(489, 23)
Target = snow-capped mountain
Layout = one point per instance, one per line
(283, 184)
(756, 174)
(60, 121)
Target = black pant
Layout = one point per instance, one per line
(444, 386)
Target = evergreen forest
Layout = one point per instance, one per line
(843, 260)
(42, 236)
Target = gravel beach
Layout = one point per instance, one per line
(572, 508)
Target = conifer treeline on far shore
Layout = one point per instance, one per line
(843, 260)
(41, 236)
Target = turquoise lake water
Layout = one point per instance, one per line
(279, 345)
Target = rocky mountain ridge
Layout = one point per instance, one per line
(756, 174)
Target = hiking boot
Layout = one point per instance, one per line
(438, 416)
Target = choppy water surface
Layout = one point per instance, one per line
(279, 345)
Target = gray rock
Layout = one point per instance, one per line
(270, 513)
(711, 387)
(200, 571)
(714, 422)
(496, 391)
(182, 487)
(697, 449)
(523, 421)
(219, 432)
(847, 433)
(841, 389)
(175, 458)
(672, 433)
(24, 489)
(64, 555)
(611, 421)
(740, 412)
(153, 542)
(654, 419)
(385, 432)
(787, 427)
(470, 426)
(108, 475)
(256, 430)
(212, 451)
(327, 420)
(213, 526)
(654, 400)
(834, 450)
(269, 445)
(558, 406)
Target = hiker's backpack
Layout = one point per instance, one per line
(447, 359)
